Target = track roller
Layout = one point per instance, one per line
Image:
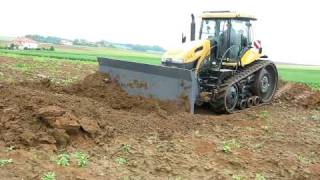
(256, 100)
(242, 104)
(250, 102)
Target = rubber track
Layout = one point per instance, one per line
(218, 100)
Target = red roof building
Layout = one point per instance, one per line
(23, 43)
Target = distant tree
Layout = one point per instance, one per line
(51, 48)
(12, 46)
(102, 43)
(111, 46)
(83, 42)
(45, 39)
(139, 47)
(157, 48)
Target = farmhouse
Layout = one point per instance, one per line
(24, 43)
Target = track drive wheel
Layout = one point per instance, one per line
(227, 101)
(265, 84)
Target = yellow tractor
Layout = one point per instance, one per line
(224, 67)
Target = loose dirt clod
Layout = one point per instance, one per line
(89, 125)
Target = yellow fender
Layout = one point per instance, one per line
(250, 56)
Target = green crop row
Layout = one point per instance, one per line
(89, 55)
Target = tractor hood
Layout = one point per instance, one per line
(187, 52)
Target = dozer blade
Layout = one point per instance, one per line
(160, 82)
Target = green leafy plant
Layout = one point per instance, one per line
(126, 147)
(49, 176)
(226, 148)
(237, 177)
(229, 145)
(4, 162)
(259, 177)
(121, 160)
(63, 159)
(82, 159)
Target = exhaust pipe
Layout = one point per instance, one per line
(193, 28)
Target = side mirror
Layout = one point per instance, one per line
(183, 38)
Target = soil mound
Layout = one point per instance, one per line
(30, 117)
(300, 95)
(95, 109)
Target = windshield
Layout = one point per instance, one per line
(230, 36)
(212, 29)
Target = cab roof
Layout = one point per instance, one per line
(226, 15)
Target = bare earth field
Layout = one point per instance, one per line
(78, 110)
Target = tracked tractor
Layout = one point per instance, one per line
(224, 67)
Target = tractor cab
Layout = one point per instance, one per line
(229, 34)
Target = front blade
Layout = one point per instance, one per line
(160, 82)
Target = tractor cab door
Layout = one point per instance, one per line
(235, 40)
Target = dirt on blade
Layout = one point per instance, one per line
(99, 87)
(130, 137)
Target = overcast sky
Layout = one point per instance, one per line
(289, 30)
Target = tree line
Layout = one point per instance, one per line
(102, 43)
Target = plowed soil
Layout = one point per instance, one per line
(40, 119)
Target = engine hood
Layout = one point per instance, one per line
(187, 52)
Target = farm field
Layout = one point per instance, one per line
(86, 54)
(294, 73)
(309, 75)
(77, 125)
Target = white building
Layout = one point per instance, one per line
(23, 43)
